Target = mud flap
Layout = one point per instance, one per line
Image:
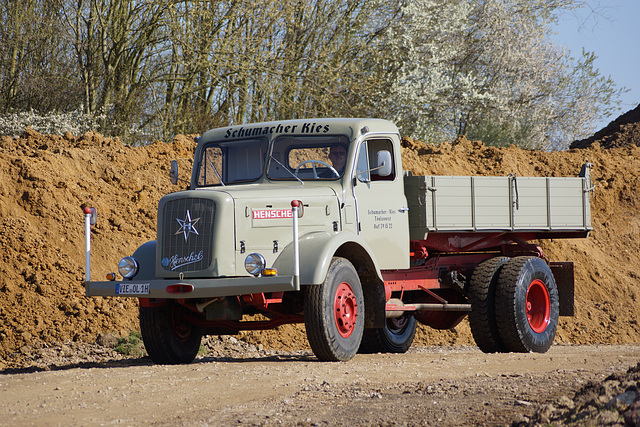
(563, 274)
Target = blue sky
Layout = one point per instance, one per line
(613, 34)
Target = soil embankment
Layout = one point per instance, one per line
(45, 179)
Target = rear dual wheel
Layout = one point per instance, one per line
(527, 305)
(482, 293)
(514, 305)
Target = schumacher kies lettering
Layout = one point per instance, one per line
(305, 128)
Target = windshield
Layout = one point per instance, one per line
(308, 157)
(229, 162)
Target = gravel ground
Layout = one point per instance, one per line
(235, 383)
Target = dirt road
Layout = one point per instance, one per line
(426, 386)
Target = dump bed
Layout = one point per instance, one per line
(548, 207)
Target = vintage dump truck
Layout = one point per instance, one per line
(315, 222)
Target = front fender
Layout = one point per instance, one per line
(146, 257)
(316, 251)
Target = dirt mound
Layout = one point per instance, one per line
(45, 179)
(607, 294)
(625, 130)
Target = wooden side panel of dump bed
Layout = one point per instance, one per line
(497, 204)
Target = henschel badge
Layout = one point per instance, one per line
(187, 226)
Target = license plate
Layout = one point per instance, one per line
(132, 289)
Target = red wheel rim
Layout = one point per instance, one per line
(345, 308)
(538, 306)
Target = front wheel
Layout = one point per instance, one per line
(396, 337)
(334, 313)
(527, 305)
(168, 336)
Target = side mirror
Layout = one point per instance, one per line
(94, 216)
(173, 172)
(385, 164)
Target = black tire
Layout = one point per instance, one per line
(481, 294)
(396, 337)
(527, 305)
(168, 337)
(334, 313)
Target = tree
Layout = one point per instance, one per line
(487, 68)
(35, 69)
(115, 43)
(438, 68)
(252, 60)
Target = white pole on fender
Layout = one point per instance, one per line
(295, 204)
(87, 243)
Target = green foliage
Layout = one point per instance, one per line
(485, 68)
(202, 350)
(131, 345)
(500, 135)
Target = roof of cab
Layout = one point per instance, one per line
(307, 127)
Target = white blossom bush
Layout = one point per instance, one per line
(77, 122)
(488, 69)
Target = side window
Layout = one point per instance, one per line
(374, 147)
(368, 168)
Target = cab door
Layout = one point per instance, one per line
(381, 207)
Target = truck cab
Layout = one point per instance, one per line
(347, 173)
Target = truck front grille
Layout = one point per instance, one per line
(187, 231)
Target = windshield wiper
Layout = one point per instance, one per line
(287, 169)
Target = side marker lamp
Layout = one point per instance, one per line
(269, 272)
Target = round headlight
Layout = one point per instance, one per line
(128, 267)
(254, 263)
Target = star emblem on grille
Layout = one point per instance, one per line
(187, 226)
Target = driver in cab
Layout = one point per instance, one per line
(338, 157)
